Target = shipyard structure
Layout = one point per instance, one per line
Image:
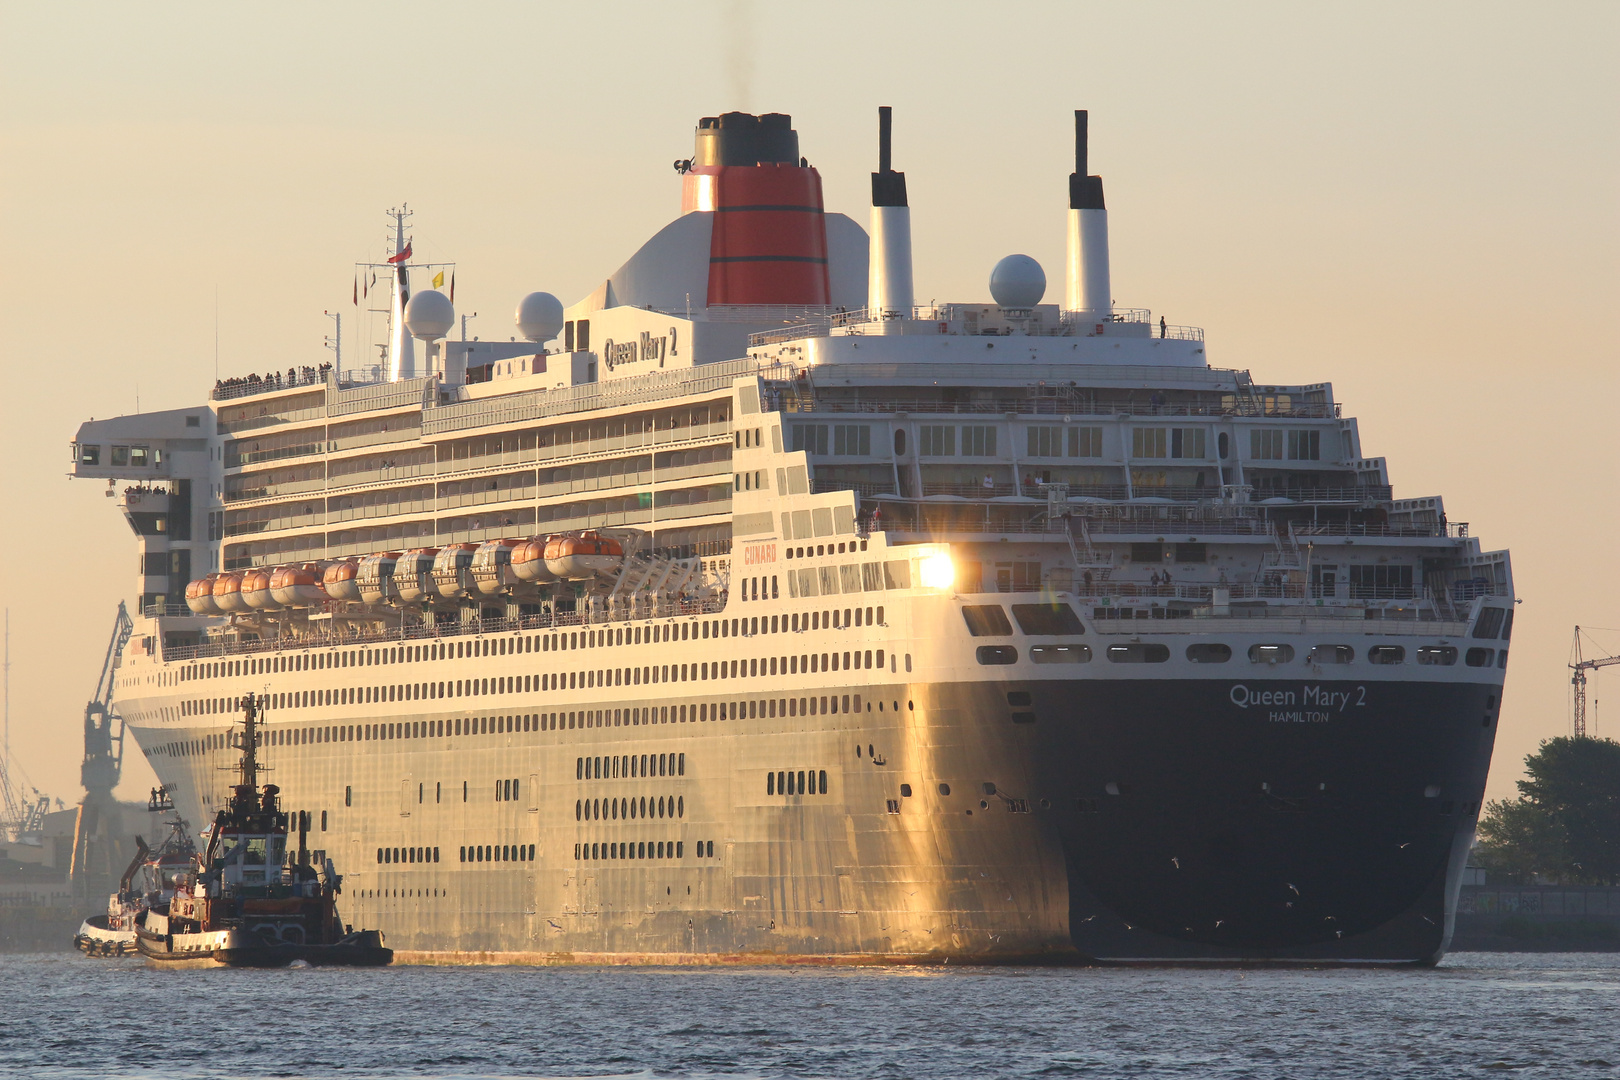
(748, 610)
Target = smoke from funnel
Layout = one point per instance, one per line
(738, 18)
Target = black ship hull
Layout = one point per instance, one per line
(1260, 821)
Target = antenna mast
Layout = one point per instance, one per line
(335, 342)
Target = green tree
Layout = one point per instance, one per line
(1565, 825)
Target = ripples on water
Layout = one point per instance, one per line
(1479, 1014)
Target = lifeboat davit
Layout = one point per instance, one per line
(256, 589)
(413, 575)
(452, 571)
(228, 593)
(298, 585)
(200, 596)
(581, 557)
(375, 577)
(529, 561)
(339, 580)
(492, 566)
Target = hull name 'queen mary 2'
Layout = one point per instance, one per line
(791, 620)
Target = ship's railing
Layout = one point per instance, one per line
(248, 385)
(1183, 523)
(974, 490)
(157, 611)
(1065, 407)
(614, 394)
(1288, 621)
(355, 633)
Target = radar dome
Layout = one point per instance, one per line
(429, 316)
(1017, 282)
(539, 316)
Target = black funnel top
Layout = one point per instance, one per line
(1085, 192)
(888, 186)
(739, 138)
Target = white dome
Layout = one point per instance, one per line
(539, 316)
(429, 316)
(1017, 282)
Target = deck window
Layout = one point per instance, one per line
(987, 620)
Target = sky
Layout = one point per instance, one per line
(1416, 202)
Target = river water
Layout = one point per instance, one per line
(1478, 1014)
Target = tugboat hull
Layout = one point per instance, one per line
(237, 949)
(96, 939)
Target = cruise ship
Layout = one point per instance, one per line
(1000, 631)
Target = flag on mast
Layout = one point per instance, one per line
(438, 280)
(452, 286)
(357, 290)
(402, 256)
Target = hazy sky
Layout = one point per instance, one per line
(1414, 201)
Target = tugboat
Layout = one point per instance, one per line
(243, 903)
(149, 879)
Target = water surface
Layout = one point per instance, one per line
(1479, 1014)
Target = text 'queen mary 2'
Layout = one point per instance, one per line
(748, 611)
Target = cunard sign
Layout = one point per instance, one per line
(645, 349)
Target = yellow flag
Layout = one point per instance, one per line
(438, 280)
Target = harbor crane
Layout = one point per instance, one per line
(21, 815)
(93, 832)
(1580, 666)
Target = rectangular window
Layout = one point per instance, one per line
(1266, 444)
(986, 620)
(936, 440)
(1187, 443)
(1304, 446)
(1045, 440)
(1047, 619)
(1085, 442)
(978, 440)
(120, 455)
(1147, 442)
(1380, 582)
(852, 440)
(811, 438)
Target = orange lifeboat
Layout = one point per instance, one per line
(452, 571)
(339, 580)
(298, 585)
(375, 577)
(200, 596)
(413, 575)
(529, 561)
(581, 557)
(256, 589)
(228, 592)
(492, 566)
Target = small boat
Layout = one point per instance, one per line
(413, 575)
(529, 561)
(296, 586)
(581, 557)
(248, 900)
(256, 590)
(200, 596)
(452, 571)
(492, 571)
(228, 593)
(340, 580)
(149, 879)
(375, 577)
